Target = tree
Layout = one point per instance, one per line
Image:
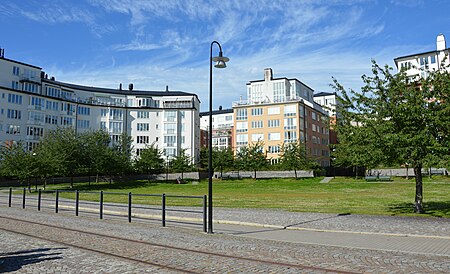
(150, 161)
(17, 162)
(182, 162)
(252, 157)
(95, 151)
(222, 158)
(396, 120)
(63, 146)
(294, 157)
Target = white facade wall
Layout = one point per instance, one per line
(417, 65)
(25, 115)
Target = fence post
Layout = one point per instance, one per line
(77, 202)
(204, 213)
(56, 201)
(39, 200)
(101, 204)
(10, 196)
(163, 217)
(23, 200)
(129, 207)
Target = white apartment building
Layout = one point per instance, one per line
(417, 64)
(281, 110)
(222, 125)
(32, 104)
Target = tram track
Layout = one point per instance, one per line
(20, 228)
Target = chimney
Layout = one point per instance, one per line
(440, 42)
(167, 88)
(130, 87)
(53, 78)
(120, 86)
(220, 107)
(268, 75)
(42, 74)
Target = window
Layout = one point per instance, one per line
(83, 124)
(15, 99)
(273, 149)
(170, 141)
(313, 115)
(15, 85)
(16, 70)
(290, 110)
(49, 105)
(257, 111)
(432, 59)
(103, 126)
(241, 114)
(241, 126)
(51, 119)
(170, 128)
(229, 118)
(142, 127)
(115, 127)
(104, 112)
(257, 137)
(257, 124)
(12, 129)
(84, 111)
(274, 136)
(278, 92)
(290, 123)
(14, 114)
(66, 121)
(290, 136)
(142, 139)
(115, 114)
(241, 139)
(170, 116)
(141, 114)
(274, 110)
(273, 123)
(36, 117)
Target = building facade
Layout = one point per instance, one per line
(222, 123)
(329, 101)
(33, 103)
(416, 65)
(279, 111)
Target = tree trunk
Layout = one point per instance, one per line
(255, 174)
(71, 182)
(407, 174)
(45, 183)
(418, 205)
(221, 173)
(295, 171)
(96, 178)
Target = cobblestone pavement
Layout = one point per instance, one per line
(23, 254)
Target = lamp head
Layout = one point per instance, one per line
(221, 60)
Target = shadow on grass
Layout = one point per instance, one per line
(436, 209)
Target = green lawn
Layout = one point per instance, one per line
(341, 195)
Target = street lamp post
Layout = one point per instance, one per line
(221, 63)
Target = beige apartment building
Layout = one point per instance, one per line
(279, 111)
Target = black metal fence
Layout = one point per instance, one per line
(50, 199)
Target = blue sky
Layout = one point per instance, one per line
(157, 43)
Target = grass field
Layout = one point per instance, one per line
(341, 195)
